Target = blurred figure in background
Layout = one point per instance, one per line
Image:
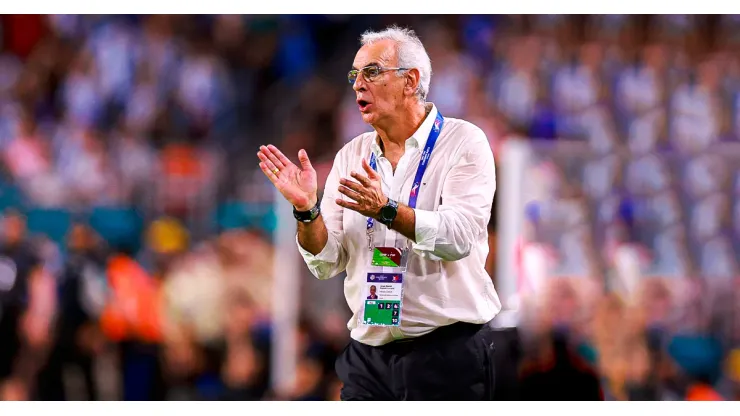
(134, 313)
(623, 354)
(552, 367)
(77, 337)
(27, 307)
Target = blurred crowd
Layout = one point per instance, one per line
(137, 252)
(627, 262)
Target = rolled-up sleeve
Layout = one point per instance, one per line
(332, 259)
(450, 232)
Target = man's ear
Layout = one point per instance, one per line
(413, 78)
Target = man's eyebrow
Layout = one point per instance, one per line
(366, 65)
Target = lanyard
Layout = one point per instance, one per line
(423, 163)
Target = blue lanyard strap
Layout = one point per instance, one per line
(423, 163)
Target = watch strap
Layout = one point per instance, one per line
(308, 216)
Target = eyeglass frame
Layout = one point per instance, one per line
(363, 70)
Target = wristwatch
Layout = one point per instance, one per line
(388, 212)
(308, 216)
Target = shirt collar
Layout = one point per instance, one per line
(420, 136)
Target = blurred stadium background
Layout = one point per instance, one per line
(144, 256)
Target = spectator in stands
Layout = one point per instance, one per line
(516, 88)
(640, 89)
(77, 337)
(577, 89)
(555, 373)
(27, 307)
(31, 163)
(697, 111)
(623, 356)
(453, 72)
(246, 361)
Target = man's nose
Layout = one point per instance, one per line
(359, 84)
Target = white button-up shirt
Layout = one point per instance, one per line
(446, 280)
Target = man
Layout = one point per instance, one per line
(373, 291)
(24, 308)
(412, 201)
(75, 335)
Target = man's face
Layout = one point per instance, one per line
(381, 95)
(15, 228)
(372, 290)
(79, 238)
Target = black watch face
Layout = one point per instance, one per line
(388, 213)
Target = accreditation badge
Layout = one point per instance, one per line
(383, 295)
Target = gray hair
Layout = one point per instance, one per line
(411, 54)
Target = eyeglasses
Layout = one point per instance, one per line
(370, 72)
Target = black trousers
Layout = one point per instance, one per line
(456, 362)
(10, 340)
(50, 384)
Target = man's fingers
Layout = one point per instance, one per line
(349, 205)
(268, 172)
(370, 172)
(303, 158)
(271, 166)
(279, 155)
(351, 185)
(350, 193)
(272, 157)
(362, 179)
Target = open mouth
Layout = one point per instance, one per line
(363, 104)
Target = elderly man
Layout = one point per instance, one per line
(405, 209)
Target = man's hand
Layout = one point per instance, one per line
(297, 184)
(367, 192)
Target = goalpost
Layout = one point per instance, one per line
(285, 298)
